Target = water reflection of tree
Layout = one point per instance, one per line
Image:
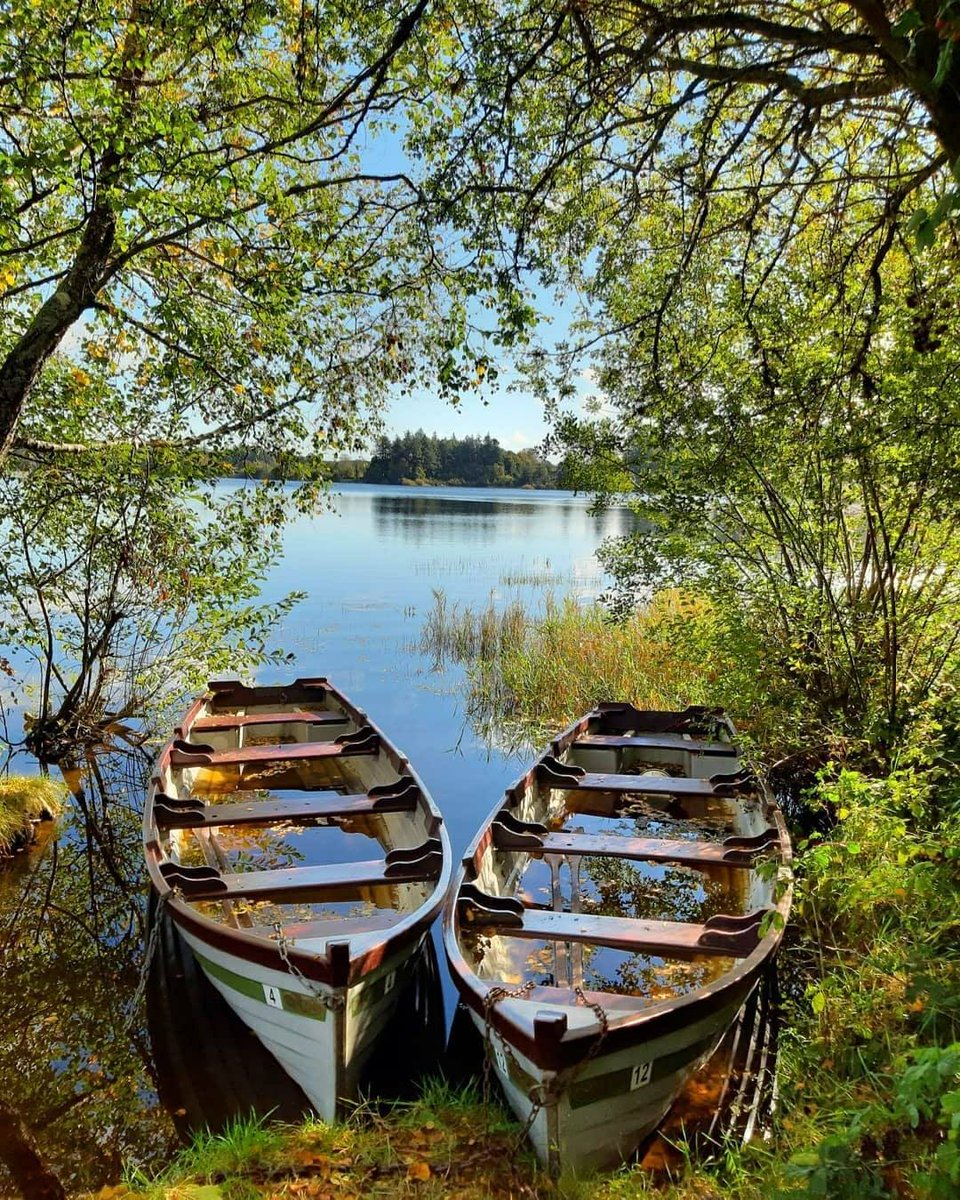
(74, 1055)
(617, 887)
(121, 585)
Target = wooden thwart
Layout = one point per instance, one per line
(563, 776)
(197, 754)
(408, 865)
(233, 721)
(383, 918)
(190, 813)
(735, 852)
(653, 741)
(729, 935)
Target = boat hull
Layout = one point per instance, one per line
(594, 1117)
(597, 999)
(323, 1037)
(316, 983)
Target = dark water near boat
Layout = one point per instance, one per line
(75, 1055)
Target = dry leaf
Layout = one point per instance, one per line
(419, 1170)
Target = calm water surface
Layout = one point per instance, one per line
(75, 1056)
(369, 570)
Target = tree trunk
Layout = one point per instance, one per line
(43, 335)
(23, 1160)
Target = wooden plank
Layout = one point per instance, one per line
(671, 938)
(200, 884)
(383, 918)
(653, 741)
(179, 815)
(186, 755)
(569, 778)
(645, 849)
(303, 717)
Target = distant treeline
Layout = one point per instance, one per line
(469, 462)
(409, 458)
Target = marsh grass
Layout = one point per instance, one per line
(24, 799)
(534, 670)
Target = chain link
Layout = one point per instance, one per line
(331, 1003)
(541, 1094)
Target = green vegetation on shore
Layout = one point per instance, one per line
(411, 458)
(870, 1046)
(24, 800)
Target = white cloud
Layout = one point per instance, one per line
(518, 440)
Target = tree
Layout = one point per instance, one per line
(744, 200)
(573, 119)
(794, 458)
(195, 210)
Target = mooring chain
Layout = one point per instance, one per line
(541, 1094)
(331, 1003)
(490, 1001)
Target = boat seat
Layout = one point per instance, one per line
(191, 813)
(414, 864)
(733, 852)
(736, 936)
(197, 754)
(566, 776)
(234, 721)
(545, 994)
(697, 719)
(653, 741)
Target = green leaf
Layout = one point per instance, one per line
(907, 23)
(944, 62)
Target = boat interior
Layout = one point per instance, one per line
(291, 817)
(625, 863)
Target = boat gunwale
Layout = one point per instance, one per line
(545, 1037)
(338, 966)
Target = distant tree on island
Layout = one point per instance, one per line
(468, 462)
(246, 463)
(410, 458)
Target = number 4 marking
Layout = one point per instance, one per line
(272, 996)
(640, 1075)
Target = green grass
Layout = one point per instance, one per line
(24, 799)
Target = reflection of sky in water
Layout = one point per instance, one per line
(369, 570)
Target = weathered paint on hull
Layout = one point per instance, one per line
(607, 1108)
(323, 1049)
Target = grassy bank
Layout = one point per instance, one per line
(24, 800)
(869, 1052)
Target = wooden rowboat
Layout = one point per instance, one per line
(611, 918)
(303, 862)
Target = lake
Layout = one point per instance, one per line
(369, 569)
(75, 1054)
